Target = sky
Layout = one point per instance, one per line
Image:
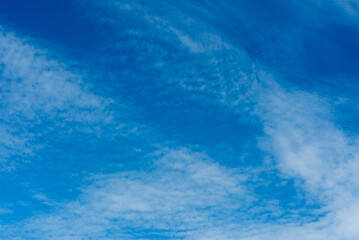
(192, 119)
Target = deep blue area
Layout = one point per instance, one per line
(52, 20)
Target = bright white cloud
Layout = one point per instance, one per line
(310, 148)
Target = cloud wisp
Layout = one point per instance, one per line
(38, 96)
(180, 196)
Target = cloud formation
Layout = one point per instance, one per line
(300, 135)
(39, 95)
(180, 193)
(183, 194)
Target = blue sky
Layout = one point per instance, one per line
(179, 120)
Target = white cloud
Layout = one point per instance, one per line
(36, 90)
(309, 147)
(184, 194)
(32, 82)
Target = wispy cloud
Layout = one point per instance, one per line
(38, 95)
(312, 149)
(182, 194)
